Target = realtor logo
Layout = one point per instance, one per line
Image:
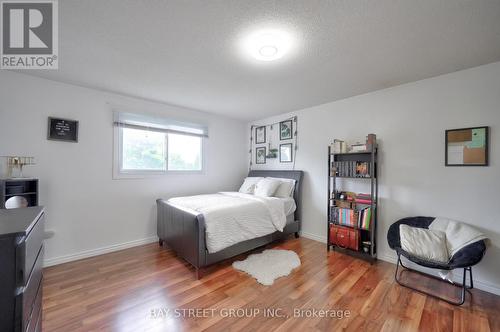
(29, 34)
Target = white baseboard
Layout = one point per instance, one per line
(96, 252)
(479, 284)
(313, 237)
(487, 287)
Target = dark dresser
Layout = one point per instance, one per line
(21, 263)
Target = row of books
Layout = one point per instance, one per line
(345, 217)
(357, 169)
(352, 218)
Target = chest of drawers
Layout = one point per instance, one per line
(21, 268)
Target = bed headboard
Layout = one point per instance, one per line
(295, 175)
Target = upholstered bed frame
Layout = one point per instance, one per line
(183, 230)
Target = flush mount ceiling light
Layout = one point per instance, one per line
(268, 45)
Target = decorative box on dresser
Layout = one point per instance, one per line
(21, 262)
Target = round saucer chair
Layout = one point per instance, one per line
(464, 259)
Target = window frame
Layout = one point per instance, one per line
(120, 173)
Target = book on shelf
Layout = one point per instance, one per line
(363, 199)
(365, 218)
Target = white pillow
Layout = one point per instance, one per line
(285, 189)
(424, 243)
(248, 185)
(266, 187)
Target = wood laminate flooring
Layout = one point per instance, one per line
(148, 288)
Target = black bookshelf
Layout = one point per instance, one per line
(19, 187)
(342, 168)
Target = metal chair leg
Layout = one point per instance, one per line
(463, 286)
(471, 280)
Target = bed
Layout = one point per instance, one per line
(184, 230)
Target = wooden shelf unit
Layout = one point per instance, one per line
(334, 189)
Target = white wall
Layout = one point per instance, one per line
(86, 208)
(410, 121)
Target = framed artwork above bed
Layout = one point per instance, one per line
(286, 153)
(260, 155)
(260, 135)
(286, 128)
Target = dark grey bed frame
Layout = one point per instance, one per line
(183, 230)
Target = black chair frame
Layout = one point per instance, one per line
(462, 286)
(463, 259)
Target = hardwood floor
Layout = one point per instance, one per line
(130, 290)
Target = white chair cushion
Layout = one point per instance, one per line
(424, 243)
(458, 234)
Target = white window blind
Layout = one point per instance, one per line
(158, 124)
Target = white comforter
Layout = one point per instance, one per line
(232, 217)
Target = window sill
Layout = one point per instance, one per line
(147, 175)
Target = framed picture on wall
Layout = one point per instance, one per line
(467, 146)
(260, 135)
(286, 128)
(286, 153)
(62, 130)
(260, 155)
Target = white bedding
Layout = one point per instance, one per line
(233, 217)
(289, 204)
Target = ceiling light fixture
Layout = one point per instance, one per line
(268, 45)
(268, 51)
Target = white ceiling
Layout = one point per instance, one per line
(186, 53)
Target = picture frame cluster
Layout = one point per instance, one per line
(286, 133)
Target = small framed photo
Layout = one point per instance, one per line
(260, 135)
(286, 153)
(286, 130)
(466, 147)
(260, 155)
(62, 130)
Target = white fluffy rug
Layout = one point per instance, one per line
(269, 265)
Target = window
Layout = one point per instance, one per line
(143, 150)
(153, 146)
(184, 153)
